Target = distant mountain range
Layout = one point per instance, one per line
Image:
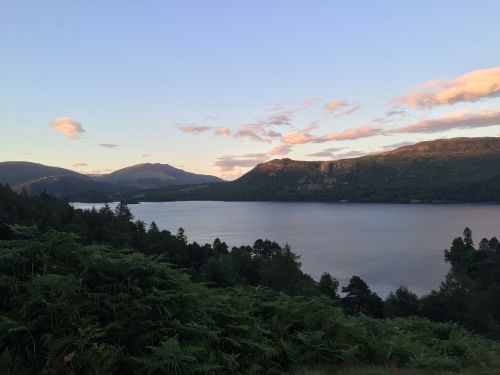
(445, 170)
(37, 178)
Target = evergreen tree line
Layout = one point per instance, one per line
(470, 294)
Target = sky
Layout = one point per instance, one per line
(217, 87)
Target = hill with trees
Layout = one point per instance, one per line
(98, 292)
(155, 175)
(447, 170)
(37, 178)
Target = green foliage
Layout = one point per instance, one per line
(70, 308)
(329, 285)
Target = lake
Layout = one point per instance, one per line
(387, 245)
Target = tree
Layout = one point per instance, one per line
(219, 246)
(181, 236)
(329, 285)
(468, 242)
(122, 211)
(402, 302)
(360, 299)
(153, 228)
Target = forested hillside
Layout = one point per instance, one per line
(446, 170)
(91, 292)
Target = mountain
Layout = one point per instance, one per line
(445, 170)
(72, 188)
(19, 172)
(37, 178)
(155, 175)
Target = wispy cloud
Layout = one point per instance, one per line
(464, 119)
(351, 154)
(327, 152)
(397, 145)
(280, 150)
(471, 87)
(229, 163)
(192, 128)
(107, 145)
(335, 105)
(77, 165)
(144, 155)
(225, 132)
(305, 136)
(340, 107)
(72, 129)
(348, 111)
(311, 102)
(257, 133)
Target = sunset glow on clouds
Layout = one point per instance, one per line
(279, 125)
(192, 128)
(305, 136)
(70, 128)
(219, 102)
(463, 119)
(277, 128)
(471, 87)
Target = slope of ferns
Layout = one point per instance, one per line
(66, 308)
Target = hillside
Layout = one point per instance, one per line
(20, 172)
(36, 178)
(149, 175)
(448, 170)
(94, 292)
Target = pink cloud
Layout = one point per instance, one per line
(72, 129)
(280, 150)
(464, 119)
(192, 128)
(304, 136)
(223, 132)
(349, 111)
(471, 87)
(308, 103)
(231, 162)
(254, 132)
(335, 105)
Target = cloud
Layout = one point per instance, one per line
(26, 153)
(327, 152)
(395, 112)
(463, 119)
(72, 129)
(192, 128)
(304, 136)
(397, 145)
(257, 133)
(349, 111)
(144, 155)
(351, 154)
(231, 162)
(77, 165)
(282, 117)
(108, 145)
(280, 150)
(223, 132)
(308, 103)
(471, 87)
(335, 105)
(338, 104)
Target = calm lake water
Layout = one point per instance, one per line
(387, 245)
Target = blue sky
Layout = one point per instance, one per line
(154, 81)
